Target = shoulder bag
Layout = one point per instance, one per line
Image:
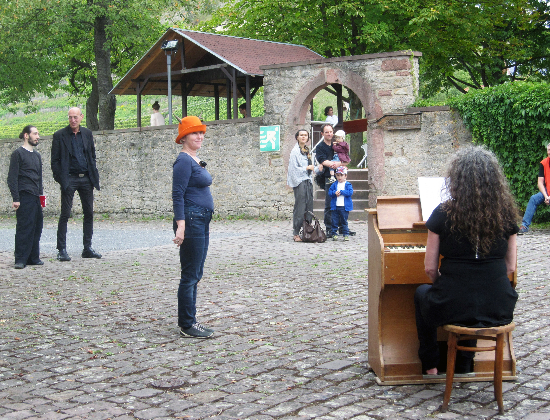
(312, 232)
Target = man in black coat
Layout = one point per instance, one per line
(74, 168)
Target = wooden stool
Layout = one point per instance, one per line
(457, 334)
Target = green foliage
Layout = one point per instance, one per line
(491, 42)
(513, 120)
(51, 113)
(84, 42)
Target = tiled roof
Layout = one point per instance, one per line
(210, 54)
(246, 54)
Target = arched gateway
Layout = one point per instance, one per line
(385, 83)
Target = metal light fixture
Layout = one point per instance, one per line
(169, 48)
(170, 45)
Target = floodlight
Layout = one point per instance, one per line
(170, 45)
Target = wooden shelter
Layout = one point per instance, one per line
(208, 65)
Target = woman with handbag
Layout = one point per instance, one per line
(299, 178)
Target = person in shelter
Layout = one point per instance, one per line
(156, 117)
(475, 232)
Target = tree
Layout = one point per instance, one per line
(492, 40)
(86, 41)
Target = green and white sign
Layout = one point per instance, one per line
(270, 138)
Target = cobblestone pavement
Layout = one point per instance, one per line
(97, 339)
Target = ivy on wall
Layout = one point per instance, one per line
(512, 120)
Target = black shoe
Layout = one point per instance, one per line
(63, 256)
(19, 266)
(90, 253)
(39, 262)
(196, 331)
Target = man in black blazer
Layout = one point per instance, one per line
(74, 168)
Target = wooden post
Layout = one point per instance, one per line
(217, 102)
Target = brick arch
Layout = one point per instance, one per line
(296, 117)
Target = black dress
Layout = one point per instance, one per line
(472, 291)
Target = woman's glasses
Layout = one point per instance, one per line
(202, 163)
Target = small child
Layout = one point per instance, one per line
(341, 152)
(340, 203)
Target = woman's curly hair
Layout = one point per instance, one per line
(481, 207)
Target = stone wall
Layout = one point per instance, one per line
(135, 168)
(135, 165)
(409, 145)
(384, 83)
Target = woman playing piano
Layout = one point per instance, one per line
(475, 232)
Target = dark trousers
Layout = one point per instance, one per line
(426, 328)
(86, 192)
(28, 229)
(340, 221)
(328, 212)
(303, 201)
(193, 252)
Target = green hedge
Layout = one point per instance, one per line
(513, 120)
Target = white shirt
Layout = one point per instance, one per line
(332, 120)
(340, 199)
(157, 119)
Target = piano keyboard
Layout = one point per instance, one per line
(405, 248)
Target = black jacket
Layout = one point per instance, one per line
(61, 156)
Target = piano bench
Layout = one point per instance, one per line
(456, 334)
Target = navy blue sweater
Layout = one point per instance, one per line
(190, 185)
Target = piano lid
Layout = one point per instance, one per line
(399, 212)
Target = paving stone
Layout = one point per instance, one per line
(290, 341)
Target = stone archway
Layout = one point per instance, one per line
(385, 83)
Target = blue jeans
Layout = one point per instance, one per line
(340, 220)
(193, 252)
(535, 201)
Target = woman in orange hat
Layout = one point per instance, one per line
(193, 208)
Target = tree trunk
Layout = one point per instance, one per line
(102, 51)
(92, 106)
(356, 139)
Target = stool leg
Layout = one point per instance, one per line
(499, 352)
(451, 356)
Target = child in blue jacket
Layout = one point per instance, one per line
(340, 204)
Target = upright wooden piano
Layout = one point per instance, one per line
(397, 243)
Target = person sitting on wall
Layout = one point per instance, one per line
(243, 110)
(331, 118)
(540, 197)
(156, 116)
